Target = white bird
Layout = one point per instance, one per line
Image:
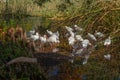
(68, 28)
(107, 41)
(107, 56)
(92, 36)
(77, 28)
(78, 37)
(71, 39)
(99, 34)
(49, 32)
(43, 39)
(35, 37)
(53, 38)
(32, 31)
(85, 43)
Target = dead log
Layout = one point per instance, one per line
(22, 59)
(45, 59)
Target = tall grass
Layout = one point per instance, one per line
(59, 8)
(17, 8)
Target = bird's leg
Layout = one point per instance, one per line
(52, 45)
(86, 59)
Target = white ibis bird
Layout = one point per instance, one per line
(99, 34)
(71, 40)
(54, 38)
(43, 39)
(35, 37)
(107, 41)
(92, 36)
(68, 28)
(85, 43)
(107, 56)
(78, 37)
(50, 32)
(77, 28)
(31, 32)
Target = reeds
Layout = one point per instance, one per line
(18, 9)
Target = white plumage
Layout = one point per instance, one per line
(54, 38)
(107, 56)
(35, 37)
(107, 41)
(68, 28)
(49, 32)
(77, 28)
(85, 43)
(43, 39)
(78, 37)
(71, 40)
(92, 36)
(32, 31)
(99, 34)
